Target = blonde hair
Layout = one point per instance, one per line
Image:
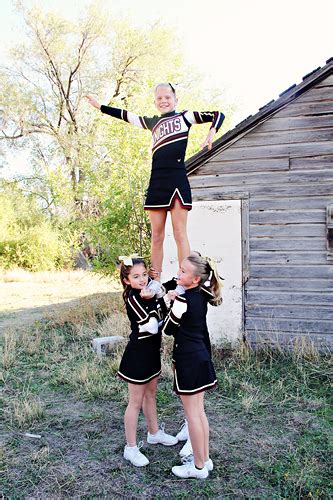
(204, 270)
(165, 84)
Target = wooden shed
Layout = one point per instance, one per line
(279, 164)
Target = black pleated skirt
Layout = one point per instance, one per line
(194, 372)
(165, 186)
(141, 361)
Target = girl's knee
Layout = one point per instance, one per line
(157, 237)
(180, 235)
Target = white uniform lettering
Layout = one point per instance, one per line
(167, 128)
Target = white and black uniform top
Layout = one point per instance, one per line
(186, 321)
(168, 180)
(141, 361)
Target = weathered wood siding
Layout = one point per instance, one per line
(285, 165)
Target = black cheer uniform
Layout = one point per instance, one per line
(194, 370)
(168, 180)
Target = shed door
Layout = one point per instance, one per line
(214, 229)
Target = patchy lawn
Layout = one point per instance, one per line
(269, 416)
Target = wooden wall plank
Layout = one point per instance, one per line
(298, 326)
(271, 178)
(303, 311)
(283, 271)
(284, 244)
(288, 230)
(278, 123)
(320, 340)
(283, 284)
(312, 162)
(286, 203)
(238, 166)
(292, 257)
(295, 298)
(308, 108)
(221, 192)
(276, 151)
(285, 137)
(317, 94)
(304, 216)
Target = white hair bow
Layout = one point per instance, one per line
(128, 259)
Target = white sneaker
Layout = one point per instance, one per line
(208, 463)
(183, 433)
(189, 470)
(161, 438)
(134, 455)
(186, 449)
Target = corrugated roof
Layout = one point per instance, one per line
(288, 95)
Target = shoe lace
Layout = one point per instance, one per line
(187, 460)
(162, 427)
(183, 425)
(139, 445)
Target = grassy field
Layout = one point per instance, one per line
(269, 416)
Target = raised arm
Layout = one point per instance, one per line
(121, 114)
(214, 117)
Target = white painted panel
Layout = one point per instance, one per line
(214, 229)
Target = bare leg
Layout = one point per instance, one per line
(197, 421)
(157, 221)
(149, 406)
(135, 400)
(179, 225)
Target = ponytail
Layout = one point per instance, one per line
(206, 269)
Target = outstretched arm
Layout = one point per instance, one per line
(121, 114)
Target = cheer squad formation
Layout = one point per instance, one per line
(175, 308)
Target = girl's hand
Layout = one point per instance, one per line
(154, 274)
(172, 294)
(146, 293)
(209, 139)
(93, 101)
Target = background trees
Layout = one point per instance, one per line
(87, 171)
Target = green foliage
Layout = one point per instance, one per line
(28, 237)
(88, 168)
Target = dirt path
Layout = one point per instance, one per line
(28, 297)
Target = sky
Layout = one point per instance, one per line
(252, 49)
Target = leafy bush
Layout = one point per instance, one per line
(28, 237)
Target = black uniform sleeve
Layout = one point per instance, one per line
(129, 117)
(215, 117)
(140, 310)
(170, 285)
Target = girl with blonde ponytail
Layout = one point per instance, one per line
(193, 368)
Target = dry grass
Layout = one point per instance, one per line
(269, 416)
(26, 297)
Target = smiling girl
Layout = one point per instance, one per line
(168, 189)
(193, 368)
(140, 365)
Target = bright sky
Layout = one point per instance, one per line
(254, 49)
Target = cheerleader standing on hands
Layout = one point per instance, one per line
(193, 368)
(169, 189)
(141, 362)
